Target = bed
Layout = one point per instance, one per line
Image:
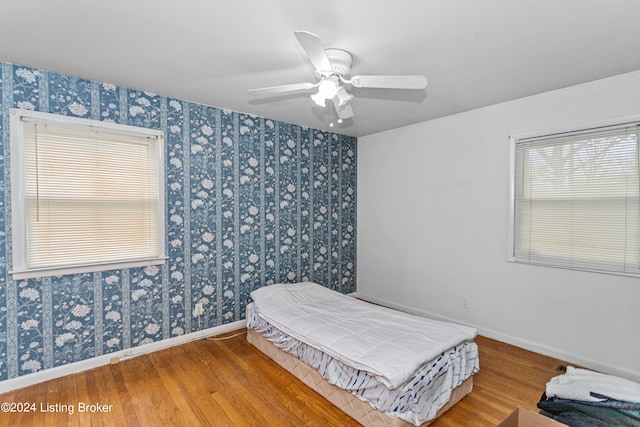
(380, 366)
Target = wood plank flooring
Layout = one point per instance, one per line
(227, 382)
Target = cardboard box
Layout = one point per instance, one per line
(522, 417)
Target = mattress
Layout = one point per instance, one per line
(418, 398)
(387, 343)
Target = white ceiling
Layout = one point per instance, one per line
(474, 52)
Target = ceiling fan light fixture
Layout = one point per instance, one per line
(327, 89)
(343, 96)
(319, 99)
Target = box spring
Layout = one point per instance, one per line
(345, 401)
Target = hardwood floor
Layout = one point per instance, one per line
(229, 383)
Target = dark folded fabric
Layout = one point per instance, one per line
(576, 413)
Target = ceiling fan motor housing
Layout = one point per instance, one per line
(340, 60)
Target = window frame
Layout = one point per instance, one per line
(20, 268)
(511, 220)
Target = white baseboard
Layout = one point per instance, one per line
(117, 356)
(518, 342)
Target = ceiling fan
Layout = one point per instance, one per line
(332, 69)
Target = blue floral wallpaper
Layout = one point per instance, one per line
(250, 201)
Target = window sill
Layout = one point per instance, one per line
(574, 268)
(89, 268)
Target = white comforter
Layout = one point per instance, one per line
(579, 384)
(387, 343)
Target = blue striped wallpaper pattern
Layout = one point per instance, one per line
(250, 201)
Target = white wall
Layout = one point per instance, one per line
(432, 228)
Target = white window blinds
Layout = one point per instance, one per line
(577, 200)
(92, 197)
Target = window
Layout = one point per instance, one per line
(86, 195)
(576, 200)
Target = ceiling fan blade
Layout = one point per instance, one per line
(278, 90)
(344, 111)
(390, 82)
(312, 45)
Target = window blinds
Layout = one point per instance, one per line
(577, 200)
(91, 195)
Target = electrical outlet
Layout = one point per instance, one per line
(198, 310)
(465, 303)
